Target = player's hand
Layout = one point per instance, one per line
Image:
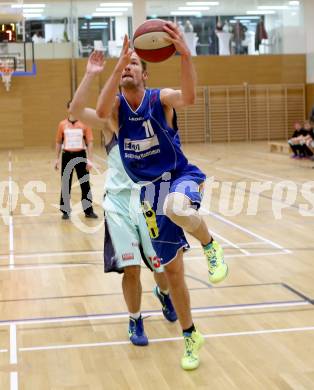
(96, 62)
(89, 165)
(177, 38)
(125, 56)
(57, 164)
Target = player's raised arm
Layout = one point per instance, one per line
(78, 109)
(107, 98)
(186, 96)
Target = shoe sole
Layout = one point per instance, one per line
(138, 345)
(190, 368)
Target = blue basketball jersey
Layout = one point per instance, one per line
(148, 146)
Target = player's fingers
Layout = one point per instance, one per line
(125, 46)
(171, 24)
(169, 39)
(100, 57)
(174, 27)
(92, 56)
(170, 31)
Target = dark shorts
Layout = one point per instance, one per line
(167, 237)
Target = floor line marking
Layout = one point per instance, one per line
(227, 256)
(233, 245)
(299, 184)
(167, 339)
(57, 254)
(40, 266)
(205, 287)
(13, 344)
(248, 231)
(14, 380)
(100, 263)
(155, 313)
(241, 174)
(11, 227)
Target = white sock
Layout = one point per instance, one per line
(135, 316)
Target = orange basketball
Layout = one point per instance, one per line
(149, 41)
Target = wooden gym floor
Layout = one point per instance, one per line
(63, 323)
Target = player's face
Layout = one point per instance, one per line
(133, 76)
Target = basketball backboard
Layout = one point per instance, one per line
(16, 59)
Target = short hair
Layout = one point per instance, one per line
(144, 65)
(69, 103)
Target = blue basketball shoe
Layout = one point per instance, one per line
(136, 332)
(167, 307)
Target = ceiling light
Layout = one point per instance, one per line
(32, 15)
(277, 7)
(35, 11)
(193, 8)
(202, 3)
(260, 12)
(111, 9)
(246, 17)
(107, 14)
(116, 4)
(294, 2)
(185, 13)
(28, 5)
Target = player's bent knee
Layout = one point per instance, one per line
(178, 208)
(176, 205)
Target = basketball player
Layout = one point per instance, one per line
(171, 187)
(126, 234)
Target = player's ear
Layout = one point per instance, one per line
(145, 75)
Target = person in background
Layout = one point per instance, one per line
(309, 140)
(38, 37)
(74, 138)
(188, 27)
(312, 115)
(301, 140)
(293, 141)
(35, 37)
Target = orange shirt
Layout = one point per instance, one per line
(74, 136)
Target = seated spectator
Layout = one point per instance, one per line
(309, 141)
(299, 140)
(294, 141)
